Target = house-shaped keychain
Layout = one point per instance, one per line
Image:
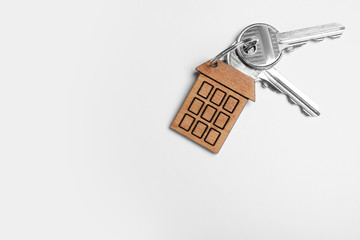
(214, 103)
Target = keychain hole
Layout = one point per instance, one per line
(249, 49)
(214, 65)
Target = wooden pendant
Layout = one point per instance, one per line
(214, 103)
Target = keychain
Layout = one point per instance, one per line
(222, 89)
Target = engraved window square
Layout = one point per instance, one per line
(209, 113)
(199, 129)
(221, 120)
(196, 106)
(187, 122)
(205, 89)
(212, 136)
(218, 97)
(230, 104)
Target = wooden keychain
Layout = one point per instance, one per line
(215, 101)
(221, 91)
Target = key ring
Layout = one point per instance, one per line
(248, 43)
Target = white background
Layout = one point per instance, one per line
(88, 90)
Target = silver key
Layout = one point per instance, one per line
(271, 43)
(268, 52)
(275, 81)
(289, 40)
(281, 84)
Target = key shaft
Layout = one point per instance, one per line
(280, 83)
(296, 38)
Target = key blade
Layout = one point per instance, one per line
(280, 83)
(297, 38)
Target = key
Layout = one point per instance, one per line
(289, 40)
(281, 84)
(272, 43)
(268, 51)
(275, 81)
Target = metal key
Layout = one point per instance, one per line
(281, 84)
(274, 80)
(268, 51)
(272, 43)
(289, 40)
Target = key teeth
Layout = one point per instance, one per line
(290, 100)
(292, 47)
(335, 36)
(303, 111)
(273, 88)
(330, 37)
(275, 80)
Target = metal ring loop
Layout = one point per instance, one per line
(250, 41)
